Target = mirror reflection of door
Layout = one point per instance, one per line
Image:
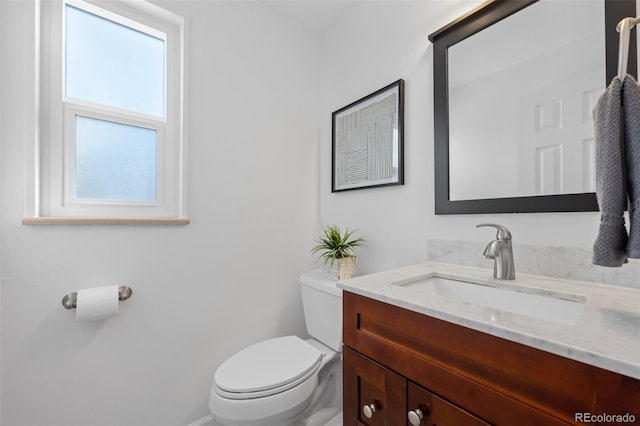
(520, 98)
(556, 137)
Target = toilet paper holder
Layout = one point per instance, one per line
(70, 300)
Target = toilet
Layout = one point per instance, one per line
(288, 381)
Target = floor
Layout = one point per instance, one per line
(208, 421)
(337, 421)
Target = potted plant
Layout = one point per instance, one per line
(333, 245)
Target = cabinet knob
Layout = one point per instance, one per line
(368, 410)
(415, 417)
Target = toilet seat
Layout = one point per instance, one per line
(267, 368)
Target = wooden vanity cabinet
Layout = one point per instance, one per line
(396, 361)
(386, 398)
(437, 411)
(369, 384)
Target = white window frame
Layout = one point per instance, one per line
(54, 168)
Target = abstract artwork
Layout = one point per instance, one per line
(367, 141)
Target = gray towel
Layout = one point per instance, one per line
(610, 247)
(631, 108)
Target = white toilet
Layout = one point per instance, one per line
(287, 380)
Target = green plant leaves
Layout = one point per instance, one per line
(333, 244)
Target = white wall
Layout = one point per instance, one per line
(201, 291)
(378, 43)
(260, 88)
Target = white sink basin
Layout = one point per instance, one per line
(563, 308)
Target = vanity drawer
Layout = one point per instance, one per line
(501, 381)
(437, 411)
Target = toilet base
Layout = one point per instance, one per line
(327, 403)
(321, 406)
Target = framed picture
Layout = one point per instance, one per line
(367, 141)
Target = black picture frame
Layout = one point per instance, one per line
(367, 141)
(478, 19)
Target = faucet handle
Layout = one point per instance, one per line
(502, 234)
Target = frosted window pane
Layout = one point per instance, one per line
(115, 161)
(112, 64)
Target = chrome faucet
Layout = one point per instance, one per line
(501, 251)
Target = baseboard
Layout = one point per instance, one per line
(203, 421)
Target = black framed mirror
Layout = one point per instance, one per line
(467, 173)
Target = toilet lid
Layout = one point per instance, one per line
(267, 365)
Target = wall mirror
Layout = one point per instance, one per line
(515, 83)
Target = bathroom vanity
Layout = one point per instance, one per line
(417, 352)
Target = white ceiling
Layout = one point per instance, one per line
(316, 15)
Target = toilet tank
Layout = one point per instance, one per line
(322, 303)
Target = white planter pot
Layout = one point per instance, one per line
(346, 266)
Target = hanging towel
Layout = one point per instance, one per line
(610, 247)
(631, 108)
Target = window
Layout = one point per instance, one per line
(111, 136)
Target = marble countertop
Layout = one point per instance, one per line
(605, 334)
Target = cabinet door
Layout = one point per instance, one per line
(373, 395)
(436, 411)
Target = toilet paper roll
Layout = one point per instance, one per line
(97, 303)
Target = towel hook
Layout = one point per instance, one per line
(70, 300)
(624, 28)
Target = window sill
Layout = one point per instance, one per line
(106, 221)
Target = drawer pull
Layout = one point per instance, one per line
(368, 410)
(415, 417)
